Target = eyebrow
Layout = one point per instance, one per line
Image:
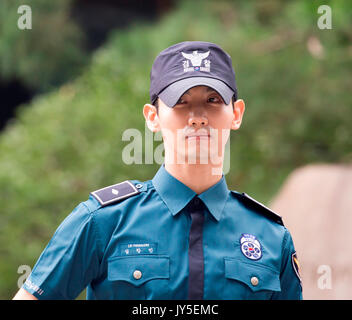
(206, 89)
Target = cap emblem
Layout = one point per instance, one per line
(196, 59)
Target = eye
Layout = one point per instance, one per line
(181, 101)
(215, 99)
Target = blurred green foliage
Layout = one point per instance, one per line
(48, 54)
(294, 78)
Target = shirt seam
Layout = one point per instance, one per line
(283, 247)
(254, 265)
(150, 185)
(95, 228)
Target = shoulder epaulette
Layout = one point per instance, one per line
(249, 201)
(116, 192)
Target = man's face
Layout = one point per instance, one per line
(197, 128)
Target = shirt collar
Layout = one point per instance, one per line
(177, 195)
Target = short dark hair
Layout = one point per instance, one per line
(156, 103)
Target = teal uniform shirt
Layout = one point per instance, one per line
(132, 241)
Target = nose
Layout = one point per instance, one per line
(197, 121)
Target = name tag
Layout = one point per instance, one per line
(127, 249)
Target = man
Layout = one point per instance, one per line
(183, 234)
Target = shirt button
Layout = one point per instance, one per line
(254, 281)
(137, 274)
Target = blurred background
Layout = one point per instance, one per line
(73, 83)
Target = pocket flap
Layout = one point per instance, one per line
(255, 276)
(138, 269)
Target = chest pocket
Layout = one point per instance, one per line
(257, 281)
(139, 277)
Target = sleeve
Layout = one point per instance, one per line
(291, 286)
(70, 261)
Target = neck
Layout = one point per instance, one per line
(198, 177)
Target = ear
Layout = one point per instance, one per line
(238, 111)
(151, 117)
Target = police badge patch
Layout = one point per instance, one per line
(250, 246)
(295, 265)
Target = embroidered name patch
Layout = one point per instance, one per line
(250, 246)
(127, 249)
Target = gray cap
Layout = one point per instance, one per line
(188, 64)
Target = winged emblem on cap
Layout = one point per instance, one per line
(195, 57)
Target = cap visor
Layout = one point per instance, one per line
(171, 94)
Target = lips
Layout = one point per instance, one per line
(198, 136)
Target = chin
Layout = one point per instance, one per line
(197, 158)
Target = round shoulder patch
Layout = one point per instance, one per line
(295, 265)
(250, 246)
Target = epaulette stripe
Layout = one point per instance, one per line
(273, 215)
(113, 193)
(264, 210)
(257, 202)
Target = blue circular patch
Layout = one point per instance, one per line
(250, 246)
